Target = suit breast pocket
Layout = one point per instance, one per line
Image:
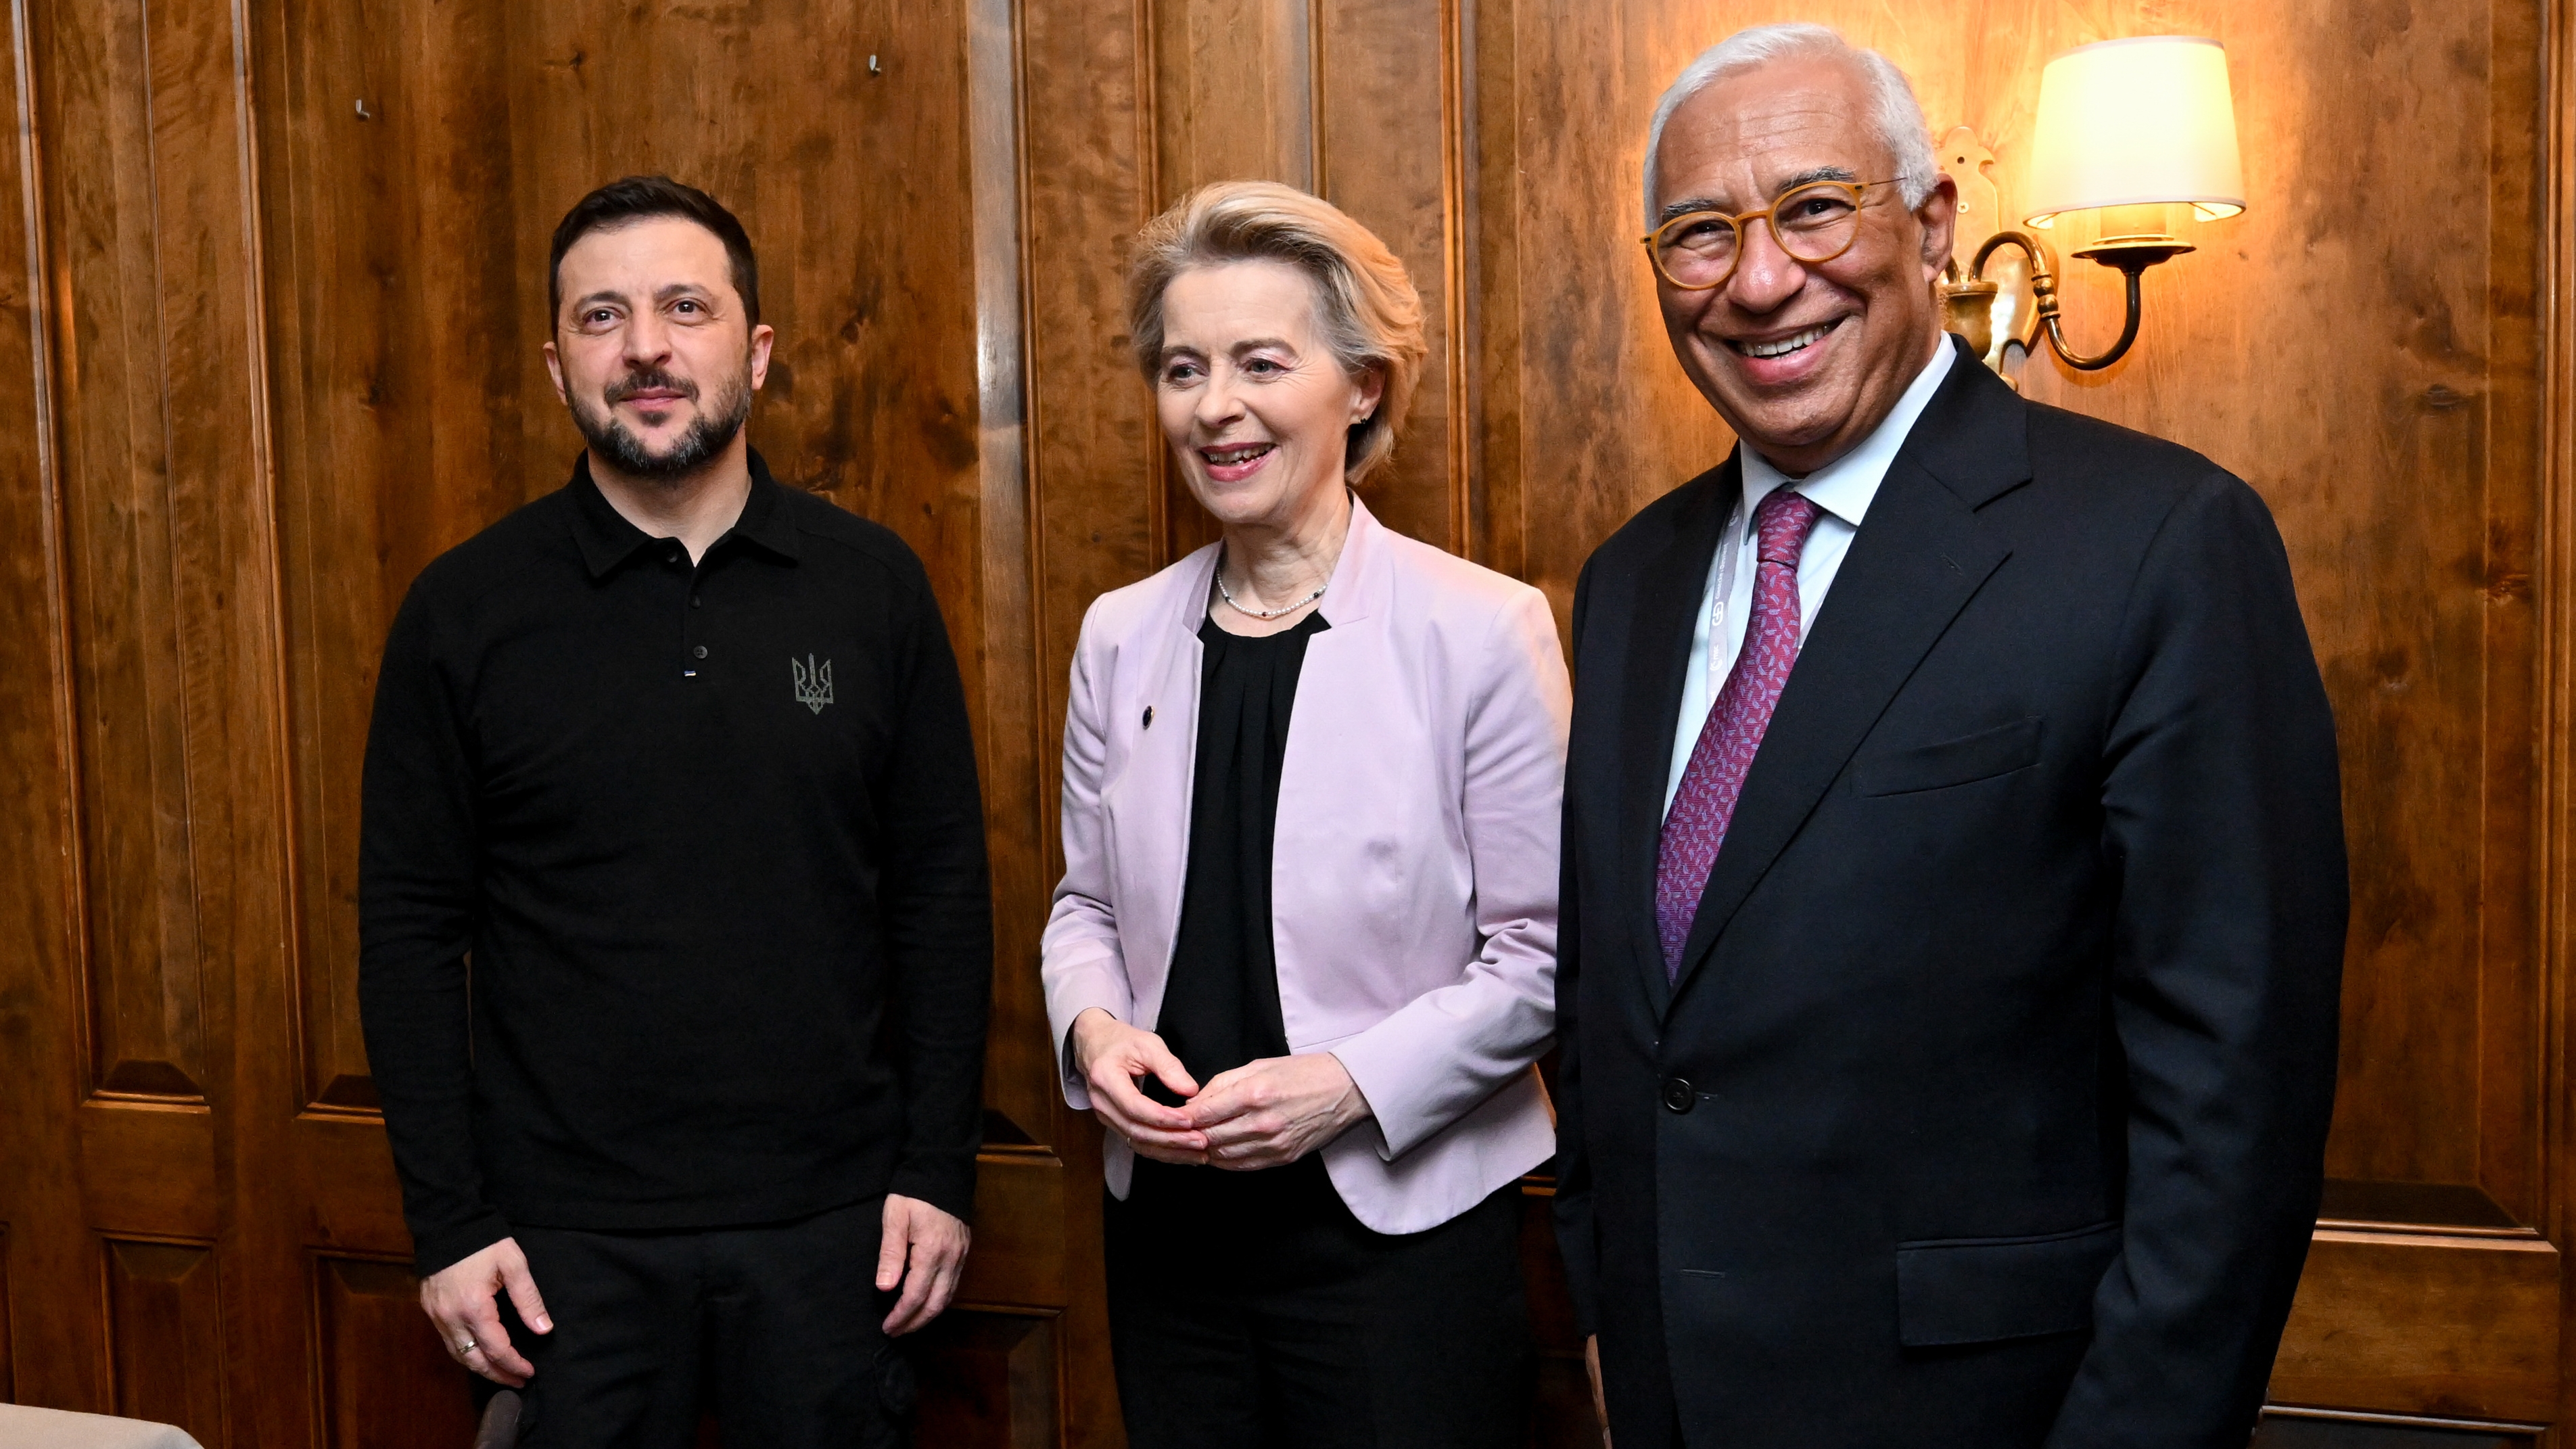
(1969, 758)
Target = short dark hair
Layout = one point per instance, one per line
(634, 198)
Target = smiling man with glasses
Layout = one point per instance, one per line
(1954, 884)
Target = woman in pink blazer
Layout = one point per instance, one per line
(1301, 961)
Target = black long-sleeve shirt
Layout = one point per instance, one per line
(710, 837)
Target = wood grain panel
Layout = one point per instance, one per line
(1386, 74)
(1017, 742)
(1020, 1245)
(988, 1379)
(1099, 515)
(397, 328)
(1231, 97)
(126, 306)
(1234, 93)
(386, 1384)
(1093, 446)
(1490, 284)
(53, 1305)
(148, 1169)
(2425, 1324)
(166, 1318)
(343, 1175)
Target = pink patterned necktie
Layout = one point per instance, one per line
(1714, 779)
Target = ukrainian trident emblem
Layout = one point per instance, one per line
(813, 683)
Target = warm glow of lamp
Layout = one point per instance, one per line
(2136, 122)
(2145, 124)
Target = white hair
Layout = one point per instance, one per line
(1894, 112)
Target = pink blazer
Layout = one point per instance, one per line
(1414, 874)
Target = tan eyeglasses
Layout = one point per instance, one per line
(1813, 223)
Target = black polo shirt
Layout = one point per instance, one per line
(710, 837)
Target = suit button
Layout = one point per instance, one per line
(1677, 1095)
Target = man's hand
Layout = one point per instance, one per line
(458, 1299)
(1271, 1112)
(1600, 1402)
(924, 1249)
(1110, 1055)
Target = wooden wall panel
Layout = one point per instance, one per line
(990, 1379)
(138, 183)
(1098, 510)
(1388, 78)
(1093, 447)
(1490, 121)
(149, 1168)
(2425, 1324)
(1275, 90)
(127, 307)
(386, 1384)
(1234, 91)
(1017, 740)
(395, 331)
(44, 1014)
(165, 1312)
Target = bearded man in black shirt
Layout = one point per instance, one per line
(677, 759)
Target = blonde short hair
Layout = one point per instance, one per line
(1371, 316)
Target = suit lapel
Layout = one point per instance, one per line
(1666, 610)
(1918, 558)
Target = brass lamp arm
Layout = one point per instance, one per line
(2043, 292)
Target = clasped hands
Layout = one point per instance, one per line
(1262, 1114)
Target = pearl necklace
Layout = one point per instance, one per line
(1232, 603)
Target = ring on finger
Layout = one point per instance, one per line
(467, 1346)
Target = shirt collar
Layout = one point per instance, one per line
(1845, 486)
(607, 539)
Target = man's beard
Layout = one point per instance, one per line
(614, 444)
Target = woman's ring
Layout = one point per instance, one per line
(466, 1345)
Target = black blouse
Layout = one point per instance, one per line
(1221, 1007)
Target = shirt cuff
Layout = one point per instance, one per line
(446, 1247)
(945, 1182)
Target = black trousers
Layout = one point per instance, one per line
(776, 1329)
(1252, 1311)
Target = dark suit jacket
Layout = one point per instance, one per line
(1989, 1107)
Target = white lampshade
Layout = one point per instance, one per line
(2133, 122)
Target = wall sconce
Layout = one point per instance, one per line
(2129, 128)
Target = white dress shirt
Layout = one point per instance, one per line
(1841, 490)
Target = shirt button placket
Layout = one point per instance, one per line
(691, 651)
